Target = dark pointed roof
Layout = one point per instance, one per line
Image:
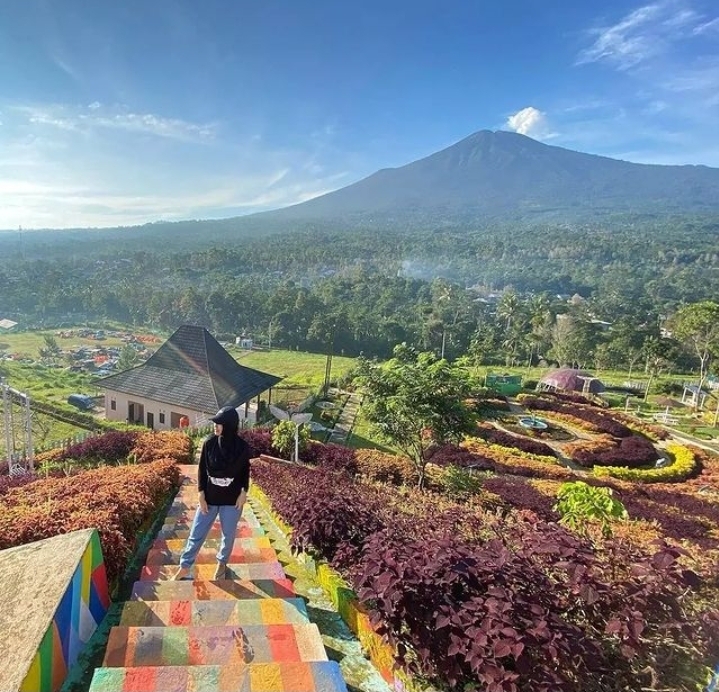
(191, 369)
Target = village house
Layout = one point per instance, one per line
(185, 381)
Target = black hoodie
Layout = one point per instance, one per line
(224, 469)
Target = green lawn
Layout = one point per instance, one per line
(297, 366)
(28, 344)
(302, 373)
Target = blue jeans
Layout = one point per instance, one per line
(201, 525)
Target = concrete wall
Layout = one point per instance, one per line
(142, 406)
(78, 614)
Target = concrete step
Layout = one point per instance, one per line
(205, 570)
(257, 611)
(171, 532)
(177, 545)
(184, 520)
(319, 676)
(150, 590)
(197, 646)
(241, 555)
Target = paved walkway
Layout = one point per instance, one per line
(346, 419)
(248, 633)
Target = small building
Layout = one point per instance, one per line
(570, 380)
(190, 375)
(693, 395)
(508, 385)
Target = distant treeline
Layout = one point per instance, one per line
(365, 291)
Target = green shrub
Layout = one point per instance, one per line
(579, 503)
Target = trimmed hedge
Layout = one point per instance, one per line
(684, 466)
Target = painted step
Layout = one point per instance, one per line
(185, 517)
(198, 646)
(212, 590)
(319, 676)
(205, 571)
(257, 611)
(173, 532)
(240, 555)
(176, 545)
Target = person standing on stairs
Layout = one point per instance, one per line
(223, 480)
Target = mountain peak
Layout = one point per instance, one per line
(496, 174)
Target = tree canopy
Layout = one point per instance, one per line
(414, 401)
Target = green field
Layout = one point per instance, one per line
(303, 374)
(28, 344)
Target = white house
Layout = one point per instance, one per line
(189, 375)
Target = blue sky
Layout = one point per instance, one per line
(126, 112)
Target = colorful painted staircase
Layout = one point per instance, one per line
(248, 633)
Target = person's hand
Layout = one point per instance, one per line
(203, 505)
(241, 501)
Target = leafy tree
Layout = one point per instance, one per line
(128, 358)
(51, 349)
(697, 326)
(660, 354)
(415, 400)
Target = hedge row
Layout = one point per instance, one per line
(118, 501)
(683, 466)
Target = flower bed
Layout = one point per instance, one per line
(601, 421)
(629, 452)
(683, 466)
(117, 501)
(508, 603)
(495, 436)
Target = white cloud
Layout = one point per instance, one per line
(707, 27)
(643, 34)
(63, 166)
(94, 117)
(531, 122)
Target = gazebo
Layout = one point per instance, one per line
(570, 380)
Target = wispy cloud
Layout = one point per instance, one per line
(69, 166)
(95, 116)
(645, 33)
(661, 105)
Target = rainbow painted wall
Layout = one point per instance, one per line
(79, 612)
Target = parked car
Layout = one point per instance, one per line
(81, 401)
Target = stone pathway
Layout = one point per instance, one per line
(248, 633)
(346, 419)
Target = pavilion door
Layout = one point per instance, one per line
(151, 420)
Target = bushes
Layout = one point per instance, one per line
(499, 437)
(515, 604)
(630, 452)
(329, 518)
(683, 467)
(579, 504)
(161, 445)
(331, 457)
(117, 501)
(377, 466)
(110, 448)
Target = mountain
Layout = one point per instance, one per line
(504, 174)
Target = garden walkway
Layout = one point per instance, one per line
(249, 633)
(346, 419)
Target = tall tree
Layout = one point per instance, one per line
(414, 401)
(697, 326)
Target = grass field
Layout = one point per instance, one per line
(28, 344)
(303, 373)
